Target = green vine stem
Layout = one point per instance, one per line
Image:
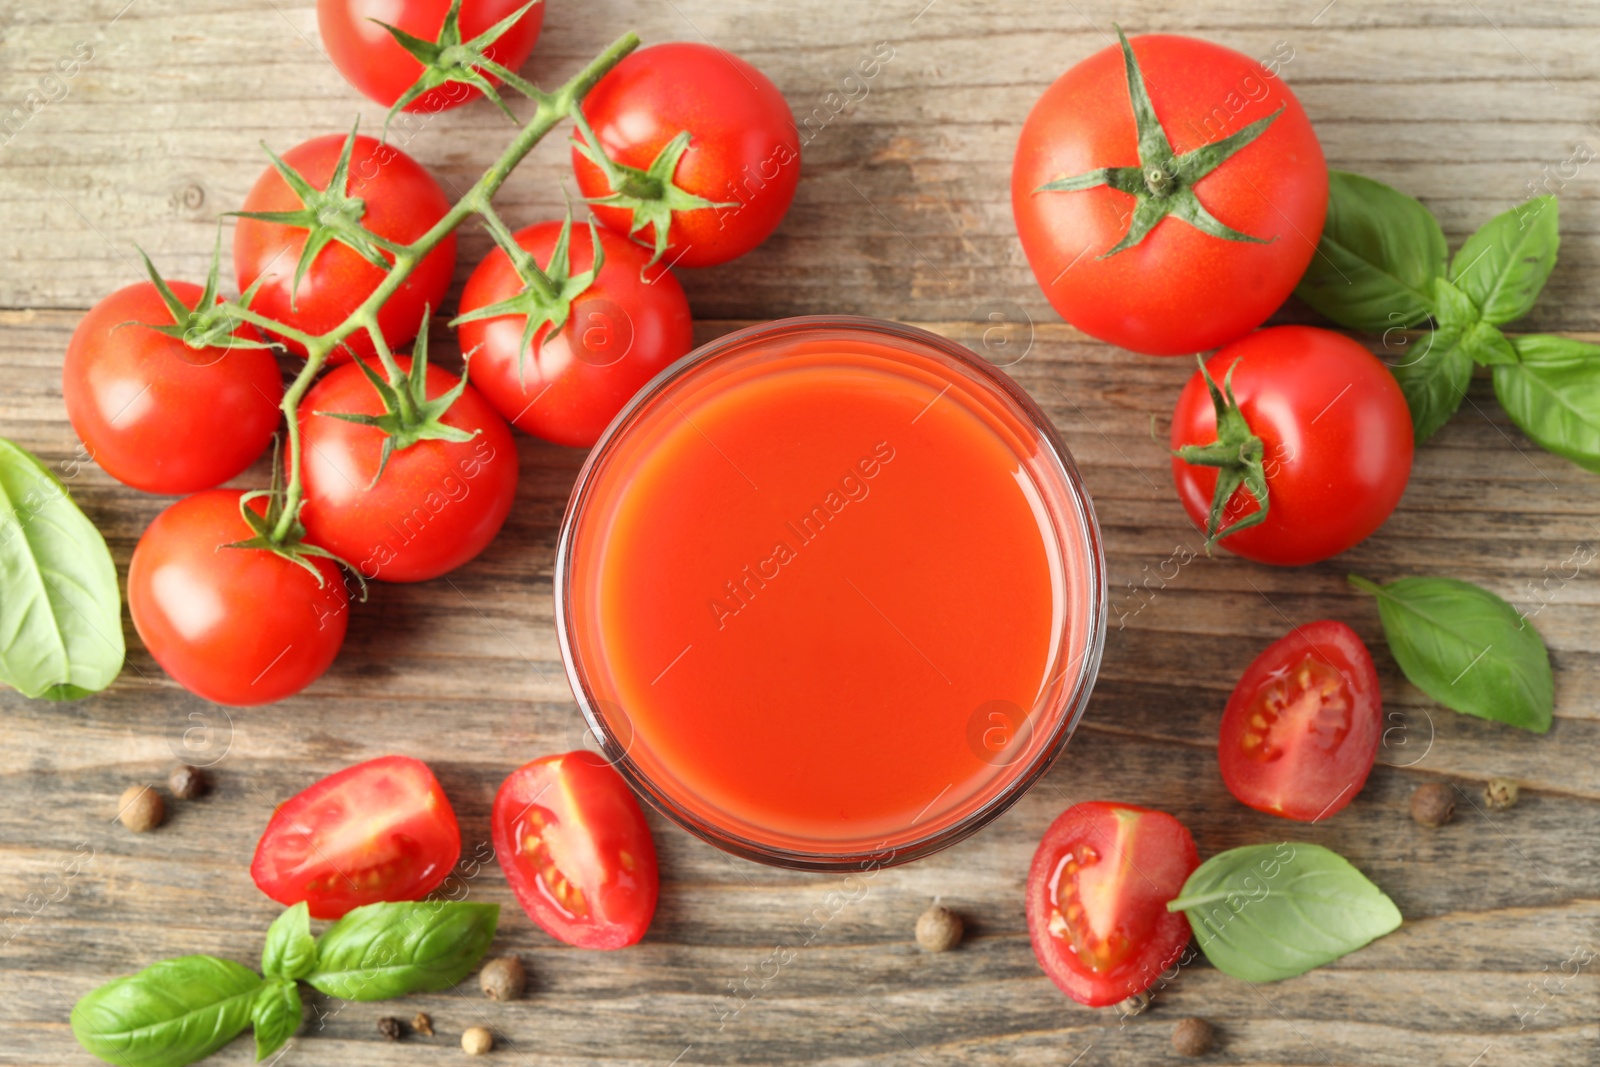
(552, 108)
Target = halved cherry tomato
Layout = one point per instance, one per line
(1301, 730)
(576, 849)
(1097, 899)
(381, 830)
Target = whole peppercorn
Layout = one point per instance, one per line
(1433, 804)
(1500, 794)
(939, 929)
(391, 1028)
(141, 808)
(422, 1023)
(503, 978)
(1137, 1004)
(476, 1041)
(1193, 1037)
(188, 782)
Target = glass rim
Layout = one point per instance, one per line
(1072, 703)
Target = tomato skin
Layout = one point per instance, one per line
(1336, 433)
(572, 383)
(153, 412)
(1141, 938)
(239, 626)
(744, 147)
(402, 203)
(584, 824)
(1179, 291)
(438, 503)
(380, 830)
(371, 60)
(1318, 691)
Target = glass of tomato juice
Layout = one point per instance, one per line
(830, 592)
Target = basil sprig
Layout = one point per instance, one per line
(1467, 648)
(1265, 912)
(60, 611)
(180, 1010)
(1380, 265)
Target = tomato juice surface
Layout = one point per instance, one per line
(830, 592)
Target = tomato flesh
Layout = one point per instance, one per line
(1097, 899)
(576, 850)
(381, 830)
(1301, 730)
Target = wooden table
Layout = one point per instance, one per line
(903, 212)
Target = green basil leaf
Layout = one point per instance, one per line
(1552, 393)
(169, 1014)
(1467, 649)
(1379, 253)
(385, 950)
(276, 1015)
(60, 611)
(1503, 266)
(290, 951)
(1265, 912)
(1434, 378)
(1484, 343)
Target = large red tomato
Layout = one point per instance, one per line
(575, 847)
(620, 331)
(1183, 215)
(391, 195)
(1301, 730)
(372, 60)
(235, 625)
(381, 830)
(1097, 899)
(1319, 419)
(742, 150)
(155, 413)
(437, 504)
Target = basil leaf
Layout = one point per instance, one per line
(1485, 344)
(60, 611)
(276, 1015)
(169, 1014)
(1553, 394)
(1467, 649)
(1379, 253)
(290, 951)
(385, 950)
(1265, 912)
(1434, 381)
(1503, 266)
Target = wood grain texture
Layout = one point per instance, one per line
(902, 213)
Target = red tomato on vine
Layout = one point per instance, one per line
(690, 150)
(317, 226)
(560, 342)
(389, 69)
(1168, 193)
